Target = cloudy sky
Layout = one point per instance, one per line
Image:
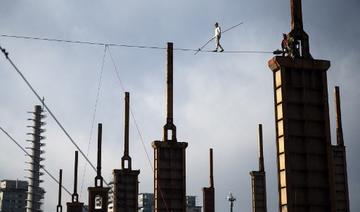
(219, 98)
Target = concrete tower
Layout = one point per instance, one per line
(35, 193)
(209, 192)
(75, 205)
(98, 195)
(339, 162)
(258, 181)
(302, 126)
(126, 183)
(169, 157)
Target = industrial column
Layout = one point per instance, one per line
(59, 206)
(169, 157)
(258, 180)
(75, 205)
(339, 162)
(98, 195)
(125, 182)
(209, 192)
(35, 193)
(302, 126)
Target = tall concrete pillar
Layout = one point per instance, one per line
(258, 180)
(125, 180)
(169, 158)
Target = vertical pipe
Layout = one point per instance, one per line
(169, 82)
(75, 195)
(99, 150)
(261, 152)
(339, 131)
(211, 169)
(126, 133)
(59, 207)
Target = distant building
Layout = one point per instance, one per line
(145, 202)
(191, 204)
(13, 195)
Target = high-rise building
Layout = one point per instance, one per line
(13, 195)
(191, 204)
(146, 202)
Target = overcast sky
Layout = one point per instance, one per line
(219, 98)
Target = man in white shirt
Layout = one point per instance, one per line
(217, 38)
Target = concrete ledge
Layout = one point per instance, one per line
(287, 62)
(169, 144)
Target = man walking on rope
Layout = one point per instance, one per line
(217, 38)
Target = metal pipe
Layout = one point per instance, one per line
(75, 196)
(211, 169)
(59, 206)
(126, 133)
(261, 152)
(169, 82)
(339, 131)
(99, 150)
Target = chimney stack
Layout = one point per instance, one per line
(339, 131)
(59, 206)
(126, 159)
(169, 126)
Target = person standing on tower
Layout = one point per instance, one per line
(217, 38)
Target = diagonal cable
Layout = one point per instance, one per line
(94, 115)
(6, 54)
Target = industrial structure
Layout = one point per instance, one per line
(209, 192)
(169, 157)
(59, 206)
(258, 180)
(75, 205)
(339, 162)
(13, 195)
(98, 195)
(35, 193)
(125, 180)
(304, 156)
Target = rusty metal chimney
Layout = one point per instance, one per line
(258, 179)
(339, 131)
(75, 205)
(126, 159)
(59, 206)
(125, 180)
(75, 195)
(209, 192)
(98, 195)
(261, 152)
(99, 178)
(211, 169)
(169, 128)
